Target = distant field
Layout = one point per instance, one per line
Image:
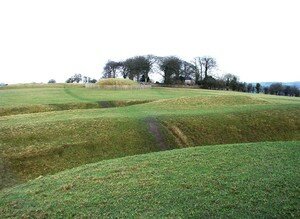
(254, 180)
(44, 130)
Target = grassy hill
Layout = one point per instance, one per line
(44, 130)
(257, 180)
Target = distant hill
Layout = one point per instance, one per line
(267, 84)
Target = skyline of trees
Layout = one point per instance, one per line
(175, 71)
(201, 72)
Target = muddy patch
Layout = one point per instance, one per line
(7, 177)
(154, 129)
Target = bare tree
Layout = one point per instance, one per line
(203, 65)
(198, 69)
(208, 64)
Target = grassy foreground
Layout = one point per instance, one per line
(235, 181)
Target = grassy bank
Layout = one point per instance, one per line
(236, 181)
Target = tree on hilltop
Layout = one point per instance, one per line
(137, 67)
(171, 69)
(75, 78)
(208, 64)
(111, 68)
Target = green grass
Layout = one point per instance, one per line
(47, 129)
(30, 151)
(257, 180)
(53, 95)
(57, 128)
(41, 85)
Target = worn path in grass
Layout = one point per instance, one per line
(154, 128)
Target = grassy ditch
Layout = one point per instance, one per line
(30, 150)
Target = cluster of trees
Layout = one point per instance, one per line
(137, 68)
(173, 69)
(51, 81)
(280, 89)
(199, 71)
(230, 82)
(78, 78)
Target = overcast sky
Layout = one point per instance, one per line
(258, 40)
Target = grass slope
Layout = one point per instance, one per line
(44, 143)
(233, 181)
(60, 95)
